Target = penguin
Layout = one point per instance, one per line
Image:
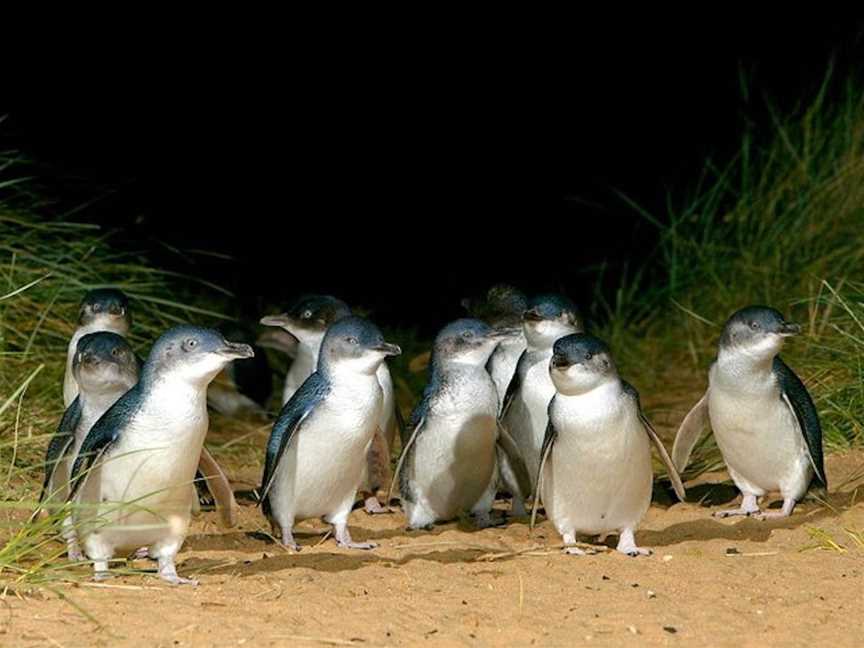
(102, 309)
(316, 452)
(502, 309)
(762, 416)
(449, 464)
(524, 410)
(595, 473)
(307, 321)
(132, 481)
(105, 367)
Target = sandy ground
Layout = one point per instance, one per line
(738, 582)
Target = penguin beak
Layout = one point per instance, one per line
(532, 315)
(560, 362)
(282, 320)
(787, 329)
(280, 340)
(236, 350)
(501, 334)
(387, 349)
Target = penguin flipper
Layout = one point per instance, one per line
(103, 435)
(689, 432)
(509, 452)
(513, 387)
(313, 390)
(797, 398)
(219, 486)
(406, 448)
(60, 443)
(545, 451)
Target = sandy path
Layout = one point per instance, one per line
(441, 587)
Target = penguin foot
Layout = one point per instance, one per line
(736, 512)
(485, 521)
(343, 538)
(576, 551)
(357, 545)
(102, 576)
(74, 553)
(786, 511)
(517, 508)
(627, 545)
(373, 507)
(141, 553)
(168, 573)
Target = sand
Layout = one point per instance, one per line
(736, 582)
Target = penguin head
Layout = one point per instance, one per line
(549, 317)
(104, 361)
(580, 363)
(107, 307)
(467, 341)
(354, 345)
(502, 307)
(757, 331)
(192, 354)
(309, 317)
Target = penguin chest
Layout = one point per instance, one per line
(758, 437)
(321, 469)
(454, 458)
(528, 417)
(598, 476)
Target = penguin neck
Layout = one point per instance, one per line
(339, 375)
(736, 363)
(306, 360)
(172, 391)
(94, 404)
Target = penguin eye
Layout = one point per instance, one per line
(589, 355)
(754, 325)
(307, 314)
(190, 344)
(115, 351)
(353, 340)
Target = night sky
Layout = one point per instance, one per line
(404, 175)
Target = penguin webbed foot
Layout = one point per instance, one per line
(749, 507)
(784, 512)
(102, 575)
(487, 520)
(578, 551)
(343, 539)
(168, 573)
(627, 545)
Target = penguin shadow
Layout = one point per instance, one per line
(725, 494)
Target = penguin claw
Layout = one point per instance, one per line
(179, 580)
(358, 545)
(102, 576)
(577, 551)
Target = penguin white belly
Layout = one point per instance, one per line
(387, 421)
(759, 439)
(302, 367)
(454, 461)
(321, 469)
(70, 386)
(598, 476)
(143, 486)
(530, 415)
(502, 365)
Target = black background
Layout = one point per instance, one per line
(405, 171)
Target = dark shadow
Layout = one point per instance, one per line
(712, 494)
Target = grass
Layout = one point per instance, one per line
(781, 224)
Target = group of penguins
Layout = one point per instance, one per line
(520, 400)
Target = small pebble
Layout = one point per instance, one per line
(667, 557)
(651, 594)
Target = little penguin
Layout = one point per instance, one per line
(307, 321)
(105, 367)
(502, 309)
(132, 481)
(449, 464)
(524, 410)
(595, 473)
(102, 309)
(762, 416)
(316, 455)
